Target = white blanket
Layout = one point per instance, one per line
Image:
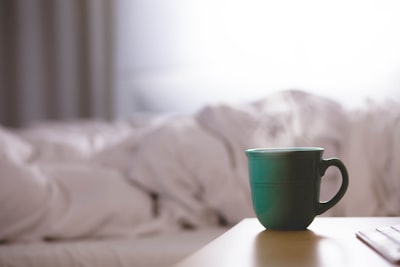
(97, 179)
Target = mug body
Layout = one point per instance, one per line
(285, 185)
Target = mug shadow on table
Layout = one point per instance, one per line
(287, 248)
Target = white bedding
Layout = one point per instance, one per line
(140, 176)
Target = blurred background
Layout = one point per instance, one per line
(105, 59)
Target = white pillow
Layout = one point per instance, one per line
(24, 194)
(14, 148)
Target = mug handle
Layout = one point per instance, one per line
(325, 163)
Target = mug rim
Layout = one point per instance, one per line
(282, 150)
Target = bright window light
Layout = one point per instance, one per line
(343, 49)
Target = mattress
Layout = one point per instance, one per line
(152, 251)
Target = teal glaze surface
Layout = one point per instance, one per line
(285, 185)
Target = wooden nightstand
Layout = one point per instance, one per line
(327, 242)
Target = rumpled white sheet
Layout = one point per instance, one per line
(197, 165)
(96, 179)
(53, 184)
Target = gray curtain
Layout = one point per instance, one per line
(56, 60)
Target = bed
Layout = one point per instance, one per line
(150, 190)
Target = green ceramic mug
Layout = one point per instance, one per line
(285, 185)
